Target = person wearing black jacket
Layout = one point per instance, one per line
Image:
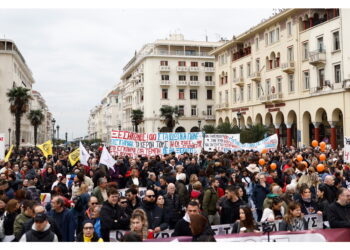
(308, 206)
(230, 206)
(259, 194)
(157, 221)
(339, 211)
(331, 190)
(111, 215)
(199, 229)
(133, 200)
(173, 205)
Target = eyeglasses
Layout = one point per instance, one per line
(94, 203)
(151, 196)
(88, 228)
(123, 202)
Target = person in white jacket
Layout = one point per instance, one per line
(274, 212)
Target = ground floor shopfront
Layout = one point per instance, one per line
(298, 122)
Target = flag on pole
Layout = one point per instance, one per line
(84, 155)
(74, 157)
(46, 148)
(107, 159)
(7, 157)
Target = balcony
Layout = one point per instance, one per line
(194, 83)
(194, 69)
(181, 83)
(222, 105)
(165, 83)
(164, 68)
(210, 117)
(182, 69)
(327, 88)
(288, 67)
(256, 76)
(317, 58)
(209, 69)
(276, 97)
(239, 81)
(209, 84)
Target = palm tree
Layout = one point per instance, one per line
(227, 128)
(137, 118)
(170, 115)
(19, 100)
(35, 117)
(254, 133)
(208, 129)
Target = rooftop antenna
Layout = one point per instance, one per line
(206, 35)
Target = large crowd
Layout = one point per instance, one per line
(187, 193)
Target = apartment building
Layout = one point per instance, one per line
(173, 72)
(290, 73)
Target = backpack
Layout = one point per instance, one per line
(78, 204)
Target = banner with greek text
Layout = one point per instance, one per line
(269, 143)
(219, 142)
(346, 149)
(134, 144)
(2, 146)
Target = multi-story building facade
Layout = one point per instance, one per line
(290, 73)
(174, 72)
(14, 72)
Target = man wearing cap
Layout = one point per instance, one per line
(40, 231)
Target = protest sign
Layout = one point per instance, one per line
(219, 142)
(134, 144)
(2, 146)
(346, 149)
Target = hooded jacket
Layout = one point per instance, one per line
(155, 215)
(36, 236)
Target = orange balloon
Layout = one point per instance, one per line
(322, 149)
(262, 162)
(320, 168)
(264, 151)
(299, 158)
(322, 144)
(314, 143)
(305, 163)
(273, 166)
(322, 157)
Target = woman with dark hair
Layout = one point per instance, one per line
(49, 178)
(308, 206)
(88, 233)
(274, 212)
(199, 229)
(12, 210)
(246, 222)
(20, 195)
(62, 185)
(322, 202)
(293, 220)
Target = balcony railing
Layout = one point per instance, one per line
(164, 68)
(165, 83)
(222, 105)
(181, 83)
(239, 81)
(288, 67)
(256, 76)
(194, 83)
(182, 68)
(317, 58)
(210, 84)
(327, 88)
(209, 69)
(210, 117)
(181, 53)
(276, 97)
(194, 69)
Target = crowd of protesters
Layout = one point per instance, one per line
(187, 193)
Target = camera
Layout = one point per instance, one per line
(267, 226)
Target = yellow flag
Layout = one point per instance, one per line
(7, 157)
(74, 157)
(46, 148)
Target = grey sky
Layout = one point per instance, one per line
(77, 55)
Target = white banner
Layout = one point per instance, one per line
(2, 146)
(346, 149)
(219, 142)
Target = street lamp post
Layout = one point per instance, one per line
(53, 130)
(9, 136)
(58, 132)
(119, 127)
(199, 125)
(66, 140)
(239, 119)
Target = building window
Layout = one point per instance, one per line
(194, 64)
(234, 95)
(209, 94)
(290, 54)
(279, 84)
(181, 63)
(209, 64)
(257, 43)
(337, 74)
(226, 96)
(258, 90)
(336, 42)
(182, 110)
(248, 69)
(165, 77)
(193, 94)
(320, 45)
(164, 93)
(182, 78)
(220, 97)
(181, 94)
(193, 78)
(209, 110)
(306, 80)
(291, 82)
(266, 39)
(268, 87)
(305, 50)
(272, 37)
(320, 77)
(249, 92)
(257, 63)
(241, 90)
(241, 71)
(289, 28)
(163, 63)
(193, 110)
(277, 34)
(208, 78)
(234, 73)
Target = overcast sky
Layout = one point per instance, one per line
(77, 55)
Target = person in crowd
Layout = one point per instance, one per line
(293, 220)
(308, 206)
(133, 200)
(209, 202)
(111, 214)
(80, 205)
(246, 222)
(181, 189)
(93, 202)
(40, 231)
(276, 210)
(172, 205)
(12, 210)
(157, 220)
(132, 237)
(139, 224)
(322, 202)
(63, 218)
(182, 227)
(49, 178)
(26, 214)
(331, 190)
(100, 191)
(339, 211)
(62, 185)
(260, 192)
(95, 216)
(198, 225)
(231, 205)
(88, 233)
